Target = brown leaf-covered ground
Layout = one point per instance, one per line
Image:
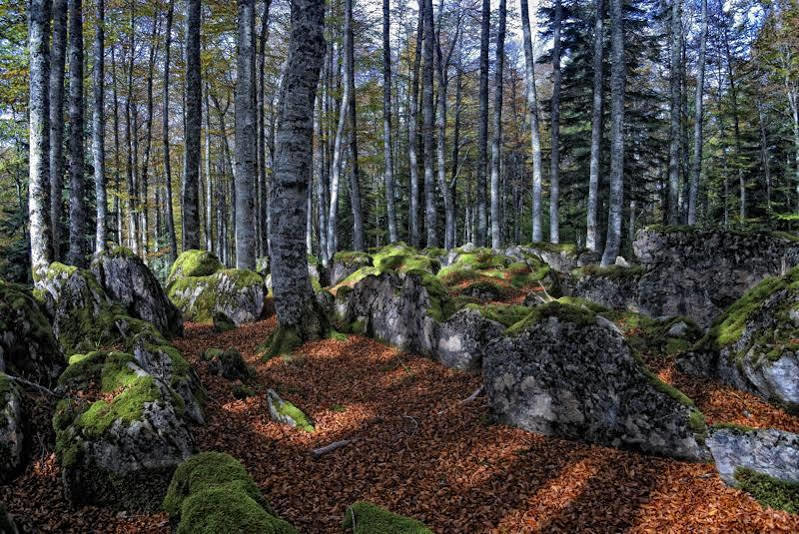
(421, 452)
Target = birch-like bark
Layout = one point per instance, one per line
(616, 203)
(39, 137)
(148, 127)
(675, 45)
(413, 119)
(591, 237)
(496, 140)
(245, 136)
(193, 125)
(261, 111)
(117, 180)
(532, 111)
(482, 126)
(430, 219)
(130, 137)
(98, 130)
(696, 168)
(355, 179)
(335, 176)
(554, 173)
(295, 302)
(209, 188)
(78, 244)
(57, 64)
(388, 163)
(170, 216)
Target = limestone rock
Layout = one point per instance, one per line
(193, 263)
(770, 452)
(127, 280)
(286, 413)
(561, 373)
(346, 263)
(11, 436)
(28, 347)
(229, 364)
(463, 339)
(613, 287)
(235, 294)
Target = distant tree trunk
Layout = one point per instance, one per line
(764, 151)
(355, 179)
(98, 130)
(191, 161)
(674, 132)
(532, 110)
(413, 120)
(335, 175)
(148, 127)
(696, 169)
(39, 136)
(117, 181)
(295, 303)
(130, 136)
(78, 245)
(616, 204)
(58, 61)
(496, 141)
(321, 182)
(388, 164)
(245, 137)
(170, 217)
(430, 222)
(554, 178)
(456, 140)
(591, 237)
(209, 188)
(482, 126)
(262, 197)
(736, 126)
(442, 63)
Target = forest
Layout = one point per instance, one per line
(399, 267)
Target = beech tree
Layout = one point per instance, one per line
(58, 62)
(193, 125)
(98, 130)
(78, 245)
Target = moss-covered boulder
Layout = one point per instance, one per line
(228, 364)
(11, 436)
(346, 263)
(28, 347)
(367, 518)
(612, 287)
(127, 280)
(193, 263)
(565, 371)
(212, 493)
(464, 337)
(120, 440)
(754, 345)
(235, 295)
(284, 412)
(563, 257)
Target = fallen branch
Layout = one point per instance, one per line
(476, 393)
(34, 385)
(321, 451)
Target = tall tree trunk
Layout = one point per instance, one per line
(321, 181)
(736, 126)
(430, 221)
(496, 141)
(388, 164)
(130, 136)
(245, 137)
(764, 151)
(58, 61)
(98, 130)
(532, 111)
(456, 140)
(117, 181)
(355, 179)
(675, 45)
(295, 303)
(170, 217)
(554, 175)
(191, 161)
(78, 245)
(261, 156)
(591, 236)
(335, 176)
(696, 169)
(148, 127)
(616, 204)
(209, 188)
(482, 126)
(413, 121)
(39, 136)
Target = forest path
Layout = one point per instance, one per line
(454, 471)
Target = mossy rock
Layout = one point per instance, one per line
(238, 295)
(563, 310)
(505, 314)
(769, 491)
(194, 263)
(287, 413)
(369, 518)
(230, 365)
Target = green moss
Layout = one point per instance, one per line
(352, 256)
(281, 341)
(698, 425)
(371, 519)
(83, 369)
(769, 491)
(730, 328)
(454, 274)
(287, 409)
(6, 384)
(205, 290)
(204, 471)
(358, 327)
(338, 336)
(565, 311)
(442, 306)
(505, 314)
(225, 508)
(735, 427)
(127, 407)
(568, 248)
(194, 263)
(356, 277)
(211, 353)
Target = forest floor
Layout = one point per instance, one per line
(422, 452)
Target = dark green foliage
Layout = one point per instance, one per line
(769, 491)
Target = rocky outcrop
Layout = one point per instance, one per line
(770, 452)
(613, 287)
(346, 263)
(564, 371)
(127, 280)
(464, 337)
(11, 436)
(231, 295)
(754, 345)
(120, 449)
(28, 347)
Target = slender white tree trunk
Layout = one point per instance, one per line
(482, 126)
(554, 174)
(388, 162)
(591, 238)
(696, 168)
(674, 132)
(58, 62)
(496, 140)
(532, 111)
(430, 219)
(98, 130)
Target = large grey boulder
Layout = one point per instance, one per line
(754, 346)
(564, 371)
(464, 337)
(613, 287)
(28, 347)
(121, 449)
(11, 435)
(233, 295)
(128, 281)
(346, 263)
(769, 452)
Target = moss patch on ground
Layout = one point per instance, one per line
(369, 518)
(769, 491)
